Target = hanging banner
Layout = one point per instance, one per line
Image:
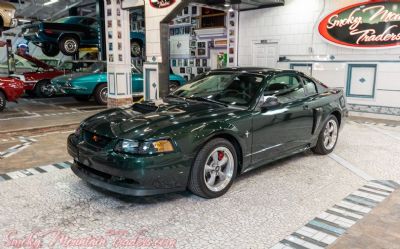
(159, 4)
(373, 24)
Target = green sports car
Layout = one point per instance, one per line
(202, 136)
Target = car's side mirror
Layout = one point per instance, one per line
(270, 102)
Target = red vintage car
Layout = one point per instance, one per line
(10, 90)
(38, 83)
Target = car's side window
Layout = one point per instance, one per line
(286, 88)
(310, 86)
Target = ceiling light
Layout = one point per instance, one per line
(50, 2)
(231, 9)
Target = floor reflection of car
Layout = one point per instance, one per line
(207, 132)
(93, 83)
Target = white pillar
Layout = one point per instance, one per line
(119, 73)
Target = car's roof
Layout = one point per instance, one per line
(256, 70)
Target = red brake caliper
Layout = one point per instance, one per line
(221, 155)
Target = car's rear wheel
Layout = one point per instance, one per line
(214, 169)
(50, 49)
(328, 137)
(101, 94)
(69, 45)
(82, 98)
(45, 89)
(3, 101)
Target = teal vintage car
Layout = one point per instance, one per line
(92, 82)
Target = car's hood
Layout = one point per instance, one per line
(68, 77)
(143, 120)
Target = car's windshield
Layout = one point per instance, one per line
(228, 88)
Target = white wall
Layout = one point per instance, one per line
(295, 27)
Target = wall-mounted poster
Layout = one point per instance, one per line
(361, 81)
(204, 64)
(182, 70)
(173, 63)
(372, 24)
(188, 70)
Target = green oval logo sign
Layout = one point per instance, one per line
(374, 24)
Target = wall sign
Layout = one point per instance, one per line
(159, 4)
(373, 24)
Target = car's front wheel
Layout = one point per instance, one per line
(328, 137)
(45, 89)
(214, 169)
(2, 101)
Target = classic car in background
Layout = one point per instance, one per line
(207, 132)
(69, 34)
(7, 12)
(38, 83)
(93, 82)
(10, 90)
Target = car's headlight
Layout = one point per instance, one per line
(144, 148)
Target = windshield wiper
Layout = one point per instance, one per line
(207, 100)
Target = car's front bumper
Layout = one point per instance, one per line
(128, 175)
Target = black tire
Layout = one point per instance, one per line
(50, 49)
(3, 101)
(43, 89)
(136, 48)
(69, 45)
(321, 148)
(173, 86)
(98, 94)
(82, 98)
(197, 183)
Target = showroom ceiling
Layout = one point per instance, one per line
(51, 9)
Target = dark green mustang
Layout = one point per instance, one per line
(202, 136)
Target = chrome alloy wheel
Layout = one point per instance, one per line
(330, 134)
(71, 46)
(219, 169)
(104, 94)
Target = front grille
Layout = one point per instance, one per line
(107, 177)
(95, 139)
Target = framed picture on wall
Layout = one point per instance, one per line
(179, 62)
(193, 43)
(173, 63)
(200, 70)
(201, 44)
(182, 70)
(198, 63)
(185, 62)
(201, 52)
(191, 63)
(194, 10)
(204, 64)
(193, 52)
(186, 11)
(188, 70)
